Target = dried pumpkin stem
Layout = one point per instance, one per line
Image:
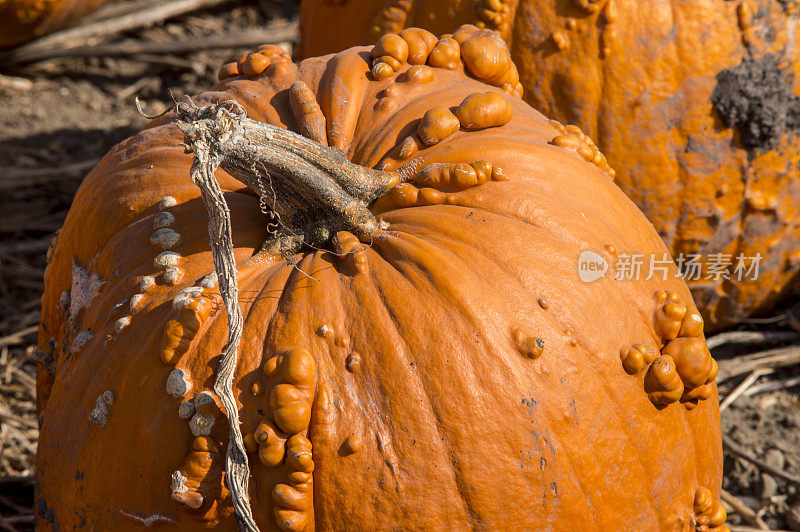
(315, 191)
(219, 230)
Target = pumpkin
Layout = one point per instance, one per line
(24, 20)
(694, 103)
(395, 247)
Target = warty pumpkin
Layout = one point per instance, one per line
(695, 104)
(416, 351)
(24, 20)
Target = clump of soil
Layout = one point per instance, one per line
(757, 99)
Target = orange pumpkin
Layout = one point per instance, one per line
(25, 20)
(694, 103)
(417, 349)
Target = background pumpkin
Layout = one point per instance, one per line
(25, 20)
(694, 103)
(452, 372)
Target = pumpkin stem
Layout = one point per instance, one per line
(219, 230)
(315, 192)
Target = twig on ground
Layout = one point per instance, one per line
(771, 319)
(734, 449)
(744, 511)
(735, 528)
(16, 177)
(274, 33)
(794, 323)
(771, 358)
(143, 18)
(774, 385)
(14, 83)
(132, 89)
(17, 337)
(169, 61)
(739, 390)
(751, 337)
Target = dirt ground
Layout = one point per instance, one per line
(71, 111)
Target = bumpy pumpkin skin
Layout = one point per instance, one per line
(25, 20)
(638, 77)
(422, 390)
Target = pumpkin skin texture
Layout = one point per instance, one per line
(693, 103)
(452, 372)
(24, 20)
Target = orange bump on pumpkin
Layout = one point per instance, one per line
(445, 54)
(636, 357)
(409, 147)
(486, 57)
(230, 70)
(351, 444)
(274, 53)
(669, 315)
(572, 138)
(180, 331)
(347, 246)
(271, 443)
(419, 75)
(561, 40)
(291, 399)
(391, 49)
(482, 110)
(290, 408)
(293, 502)
(662, 383)
(352, 362)
(528, 345)
(708, 512)
(382, 70)
(436, 125)
(692, 358)
(419, 43)
(254, 64)
(306, 110)
(458, 176)
(691, 325)
(198, 485)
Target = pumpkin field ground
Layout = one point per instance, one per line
(58, 117)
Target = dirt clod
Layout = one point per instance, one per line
(756, 98)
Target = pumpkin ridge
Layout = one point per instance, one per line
(459, 478)
(612, 396)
